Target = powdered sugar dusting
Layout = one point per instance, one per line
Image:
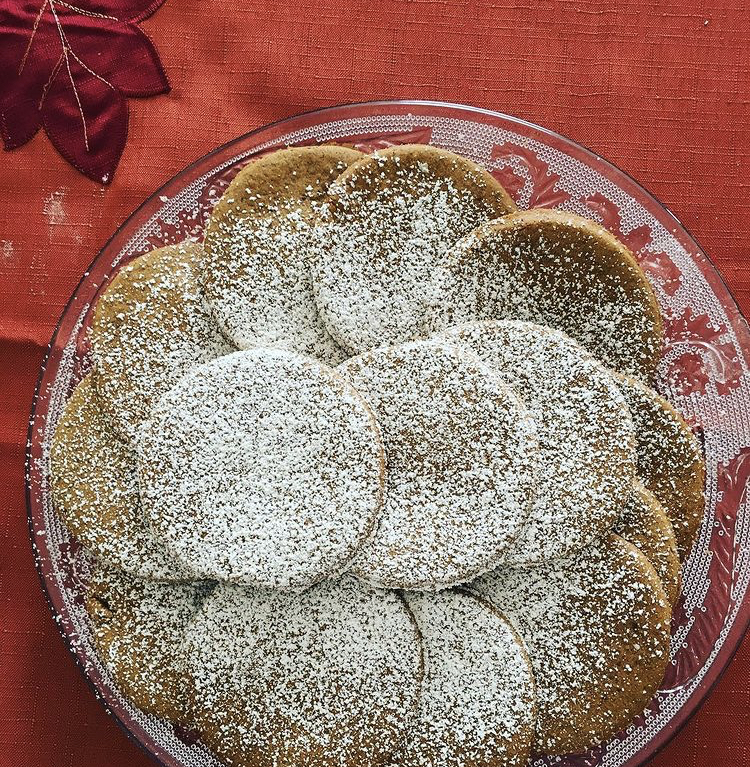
(151, 325)
(597, 629)
(262, 467)
(477, 703)
(95, 489)
(460, 448)
(586, 460)
(259, 244)
(378, 269)
(558, 269)
(327, 677)
(260, 284)
(645, 524)
(670, 459)
(267, 468)
(139, 630)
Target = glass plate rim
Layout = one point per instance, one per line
(741, 625)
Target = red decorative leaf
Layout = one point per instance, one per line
(118, 52)
(687, 374)
(705, 355)
(87, 121)
(126, 10)
(22, 46)
(732, 484)
(511, 181)
(659, 265)
(636, 239)
(19, 120)
(68, 66)
(544, 191)
(371, 143)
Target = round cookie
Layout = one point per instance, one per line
(150, 326)
(378, 271)
(262, 467)
(257, 271)
(139, 631)
(596, 626)
(670, 459)
(646, 525)
(561, 270)
(586, 455)
(461, 450)
(478, 703)
(328, 677)
(95, 491)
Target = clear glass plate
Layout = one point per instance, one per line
(704, 371)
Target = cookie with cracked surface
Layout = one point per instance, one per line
(139, 631)
(326, 678)
(596, 626)
(461, 449)
(478, 702)
(95, 491)
(670, 459)
(257, 270)
(646, 525)
(151, 325)
(263, 467)
(388, 221)
(586, 456)
(559, 269)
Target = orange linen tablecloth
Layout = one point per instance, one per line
(662, 89)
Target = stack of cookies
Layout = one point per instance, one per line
(374, 475)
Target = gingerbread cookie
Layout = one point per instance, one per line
(596, 626)
(95, 490)
(150, 326)
(262, 467)
(326, 678)
(646, 525)
(586, 458)
(257, 271)
(461, 450)
(561, 270)
(478, 703)
(670, 459)
(379, 267)
(139, 631)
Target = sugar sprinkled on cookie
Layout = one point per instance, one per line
(257, 271)
(565, 271)
(95, 490)
(329, 677)
(139, 630)
(478, 703)
(461, 448)
(646, 525)
(670, 459)
(497, 449)
(586, 459)
(262, 467)
(150, 326)
(596, 626)
(378, 271)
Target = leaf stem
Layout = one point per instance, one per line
(31, 37)
(66, 50)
